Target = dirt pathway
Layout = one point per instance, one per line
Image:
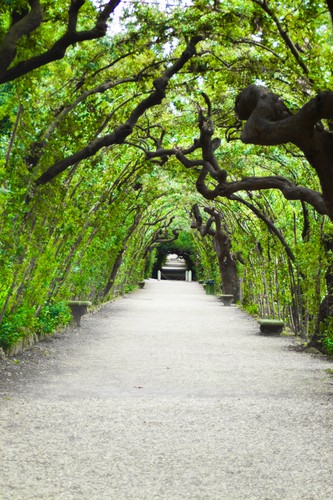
(166, 394)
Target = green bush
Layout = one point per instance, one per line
(326, 330)
(23, 322)
(53, 315)
(328, 344)
(252, 309)
(16, 326)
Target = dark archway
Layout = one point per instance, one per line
(167, 249)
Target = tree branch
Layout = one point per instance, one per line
(58, 49)
(330, 8)
(263, 4)
(198, 222)
(246, 106)
(120, 133)
(36, 149)
(269, 122)
(268, 223)
(221, 243)
(287, 188)
(256, 44)
(23, 26)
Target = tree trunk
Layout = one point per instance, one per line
(326, 307)
(113, 273)
(229, 277)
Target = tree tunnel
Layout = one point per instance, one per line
(104, 154)
(173, 261)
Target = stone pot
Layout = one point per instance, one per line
(226, 299)
(78, 309)
(271, 326)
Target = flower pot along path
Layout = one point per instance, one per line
(166, 394)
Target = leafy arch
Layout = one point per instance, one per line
(183, 247)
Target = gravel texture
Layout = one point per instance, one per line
(166, 394)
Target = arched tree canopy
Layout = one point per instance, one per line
(183, 246)
(117, 118)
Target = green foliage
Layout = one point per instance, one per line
(63, 240)
(149, 265)
(52, 316)
(326, 331)
(15, 327)
(252, 309)
(328, 344)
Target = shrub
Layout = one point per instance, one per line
(326, 330)
(53, 315)
(23, 322)
(16, 326)
(252, 309)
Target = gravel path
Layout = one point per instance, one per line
(166, 394)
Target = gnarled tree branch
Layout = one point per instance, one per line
(23, 26)
(269, 122)
(222, 247)
(287, 188)
(120, 133)
(210, 167)
(31, 21)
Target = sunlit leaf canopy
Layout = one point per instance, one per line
(86, 204)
